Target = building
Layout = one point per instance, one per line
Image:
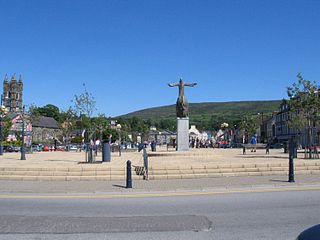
(280, 131)
(12, 94)
(45, 130)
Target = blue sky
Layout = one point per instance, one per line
(127, 51)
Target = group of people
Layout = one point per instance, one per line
(197, 143)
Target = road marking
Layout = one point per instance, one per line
(164, 194)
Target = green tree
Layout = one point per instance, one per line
(48, 110)
(248, 125)
(304, 105)
(6, 121)
(68, 119)
(84, 103)
(100, 124)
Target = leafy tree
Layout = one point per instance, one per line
(48, 110)
(100, 123)
(248, 125)
(68, 123)
(84, 103)
(304, 105)
(6, 121)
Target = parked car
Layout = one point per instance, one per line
(36, 148)
(16, 148)
(8, 149)
(60, 148)
(312, 233)
(277, 145)
(236, 145)
(73, 148)
(46, 148)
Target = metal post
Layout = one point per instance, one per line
(291, 157)
(129, 177)
(89, 152)
(1, 146)
(145, 163)
(23, 151)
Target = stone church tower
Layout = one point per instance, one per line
(12, 94)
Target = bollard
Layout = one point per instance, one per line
(129, 177)
(145, 163)
(90, 155)
(106, 154)
(291, 157)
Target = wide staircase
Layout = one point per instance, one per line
(102, 172)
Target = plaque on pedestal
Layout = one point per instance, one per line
(183, 134)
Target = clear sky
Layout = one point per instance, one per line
(126, 51)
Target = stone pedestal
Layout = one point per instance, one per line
(183, 134)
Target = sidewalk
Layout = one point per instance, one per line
(142, 186)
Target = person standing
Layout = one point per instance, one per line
(253, 143)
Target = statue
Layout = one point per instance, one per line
(182, 106)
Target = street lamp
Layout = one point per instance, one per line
(3, 111)
(119, 130)
(23, 152)
(225, 126)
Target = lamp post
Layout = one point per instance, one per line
(23, 152)
(119, 130)
(2, 113)
(226, 137)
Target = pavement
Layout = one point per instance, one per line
(222, 184)
(226, 159)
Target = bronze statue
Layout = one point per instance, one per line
(182, 106)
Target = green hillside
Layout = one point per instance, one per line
(210, 108)
(206, 116)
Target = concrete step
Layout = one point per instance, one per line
(170, 172)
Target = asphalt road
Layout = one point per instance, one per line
(260, 215)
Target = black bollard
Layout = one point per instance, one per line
(145, 164)
(291, 156)
(129, 177)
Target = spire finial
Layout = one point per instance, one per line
(13, 77)
(20, 78)
(6, 78)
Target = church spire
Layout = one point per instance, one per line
(13, 77)
(6, 78)
(20, 78)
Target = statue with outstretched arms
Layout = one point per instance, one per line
(182, 105)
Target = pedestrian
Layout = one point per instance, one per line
(253, 143)
(267, 148)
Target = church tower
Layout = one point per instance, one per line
(12, 94)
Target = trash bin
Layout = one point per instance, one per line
(106, 154)
(153, 146)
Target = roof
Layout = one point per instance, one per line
(45, 122)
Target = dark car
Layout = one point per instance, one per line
(277, 146)
(312, 233)
(8, 149)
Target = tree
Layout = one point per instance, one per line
(68, 124)
(249, 125)
(100, 123)
(48, 110)
(84, 103)
(304, 105)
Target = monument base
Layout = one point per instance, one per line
(183, 134)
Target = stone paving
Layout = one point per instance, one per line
(157, 160)
(161, 158)
(163, 164)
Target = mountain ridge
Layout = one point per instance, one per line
(230, 108)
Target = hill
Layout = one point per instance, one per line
(206, 109)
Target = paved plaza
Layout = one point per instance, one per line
(160, 159)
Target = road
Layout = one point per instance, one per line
(238, 215)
